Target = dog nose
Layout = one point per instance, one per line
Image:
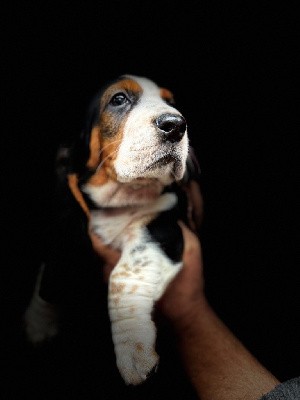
(171, 126)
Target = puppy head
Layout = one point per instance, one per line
(137, 138)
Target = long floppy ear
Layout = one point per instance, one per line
(86, 148)
(191, 185)
(85, 153)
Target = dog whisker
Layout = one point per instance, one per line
(142, 148)
(109, 144)
(104, 159)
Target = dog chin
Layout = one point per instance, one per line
(119, 194)
(139, 194)
(165, 175)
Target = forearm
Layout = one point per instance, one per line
(219, 366)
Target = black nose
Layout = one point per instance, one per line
(171, 126)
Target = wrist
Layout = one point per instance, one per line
(190, 315)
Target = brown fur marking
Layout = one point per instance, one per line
(133, 289)
(94, 158)
(139, 346)
(117, 287)
(166, 94)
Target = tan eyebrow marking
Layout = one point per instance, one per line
(166, 94)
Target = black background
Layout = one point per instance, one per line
(232, 69)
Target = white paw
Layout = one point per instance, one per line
(135, 353)
(41, 321)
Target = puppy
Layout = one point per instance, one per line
(133, 174)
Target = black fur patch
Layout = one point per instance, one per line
(165, 229)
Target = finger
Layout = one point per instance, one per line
(110, 255)
(107, 268)
(191, 240)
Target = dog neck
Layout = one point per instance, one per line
(115, 197)
(116, 225)
(114, 194)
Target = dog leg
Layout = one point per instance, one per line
(40, 318)
(137, 281)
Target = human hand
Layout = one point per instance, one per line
(109, 255)
(185, 294)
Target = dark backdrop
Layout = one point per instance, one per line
(232, 69)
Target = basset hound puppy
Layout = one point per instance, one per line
(133, 174)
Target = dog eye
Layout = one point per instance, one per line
(119, 99)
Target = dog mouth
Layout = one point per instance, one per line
(143, 183)
(161, 169)
(161, 162)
